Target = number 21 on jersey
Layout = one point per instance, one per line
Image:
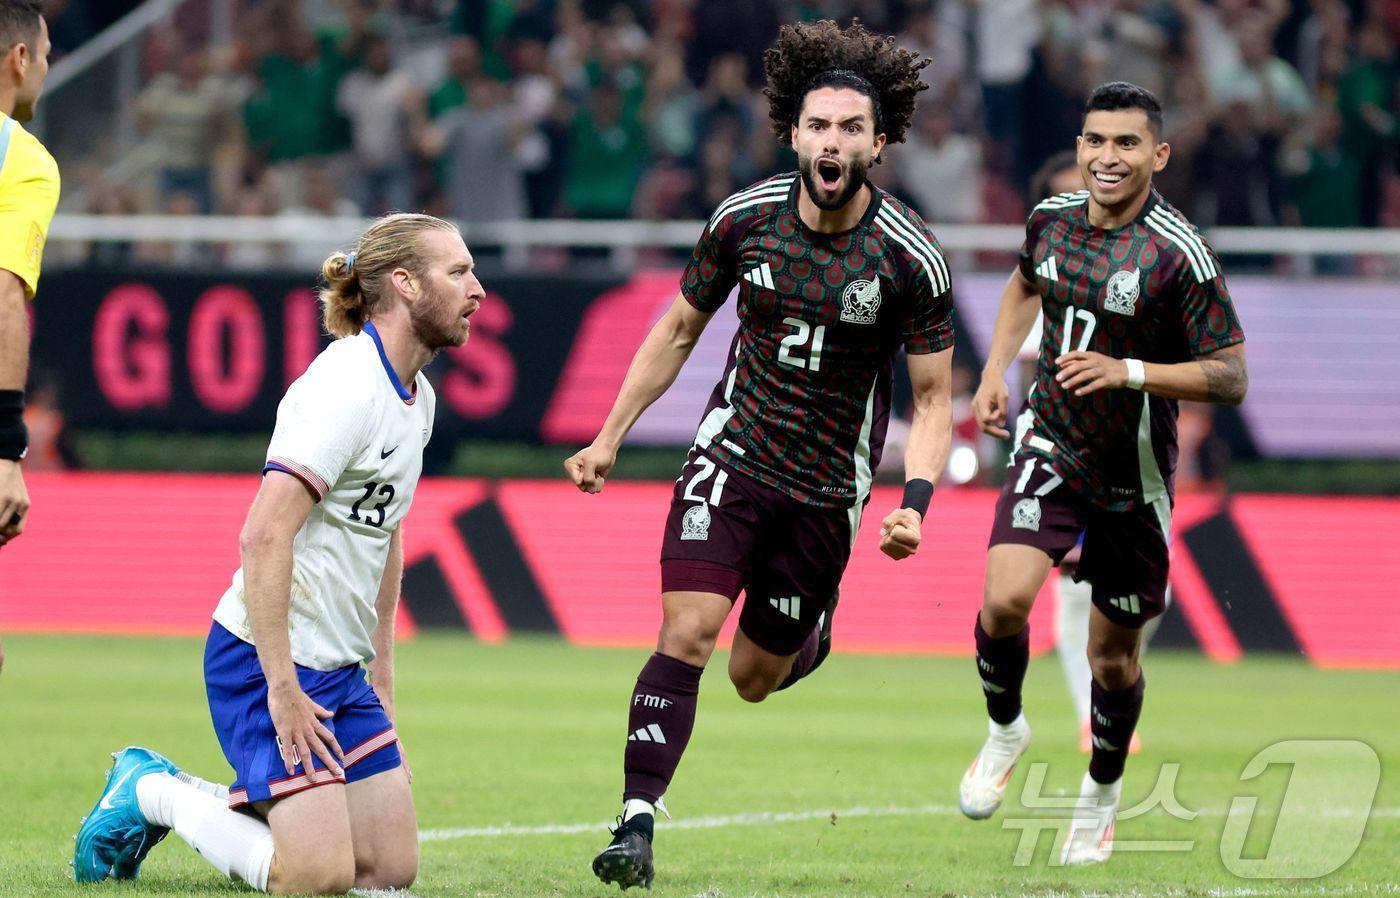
(804, 339)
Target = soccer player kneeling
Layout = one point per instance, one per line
(321, 800)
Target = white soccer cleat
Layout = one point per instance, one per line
(1090, 838)
(984, 785)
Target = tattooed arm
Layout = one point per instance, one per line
(1219, 376)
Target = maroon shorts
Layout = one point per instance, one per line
(728, 532)
(1125, 552)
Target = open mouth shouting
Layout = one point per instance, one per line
(829, 171)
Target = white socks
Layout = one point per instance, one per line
(236, 844)
(1072, 640)
(218, 790)
(634, 806)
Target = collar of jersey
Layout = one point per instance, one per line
(1154, 199)
(399, 388)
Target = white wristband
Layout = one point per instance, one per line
(1137, 374)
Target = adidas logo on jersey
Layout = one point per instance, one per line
(649, 733)
(1048, 270)
(1128, 603)
(792, 607)
(760, 276)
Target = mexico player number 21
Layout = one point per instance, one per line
(801, 333)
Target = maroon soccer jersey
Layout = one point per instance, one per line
(805, 397)
(1150, 290)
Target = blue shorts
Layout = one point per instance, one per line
(237, 691)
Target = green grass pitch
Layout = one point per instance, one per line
(844, 786)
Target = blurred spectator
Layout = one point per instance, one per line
(163, 254)
(1216, 30)
(1324, 180)
(723, 167)
(671, 106)
(1063, 71)
(383, 106)
(727, 97)
(105, 198)
(942, 169)
(542, 150)
(741, 27)
(185, 112)
(291, 117)
(941, 37)
(254, 199)
(1187, 120)
(1133, 40)
(1263, 86)
(1368, 98)
(70, 25)
(1058, 174)
(50, 443)
(322, 199)
(607, 157)
(1323, 42)
(1006, 33)
(463, 67)
(480, 152)
(1235, 165)
(653, 108)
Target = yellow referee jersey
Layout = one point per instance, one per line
(28, 198)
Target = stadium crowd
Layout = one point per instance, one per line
(1281, 113)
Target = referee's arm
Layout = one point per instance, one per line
(14, 332)
(14, 369)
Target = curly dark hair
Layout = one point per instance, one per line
(823, 54)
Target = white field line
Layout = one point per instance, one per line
(766, 818)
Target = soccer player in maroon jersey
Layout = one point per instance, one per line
(1137, 316)
(834, 275)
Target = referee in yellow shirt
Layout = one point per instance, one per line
(28, 198)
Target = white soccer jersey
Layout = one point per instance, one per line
(354, 435)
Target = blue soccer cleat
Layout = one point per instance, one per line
(115, 838)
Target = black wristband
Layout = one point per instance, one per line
(917, 493)
(14, 436)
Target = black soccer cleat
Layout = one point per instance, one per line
(627, 859)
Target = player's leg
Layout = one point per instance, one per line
(816, 648)
(383, 822)
(784, 628)
(1015, 574)
(710, 535)
(278, 832)
(1116, 704)
(383, 830)
(1125, 557)
(315, 852)
(1072, 604)
(1036, 522)
(660, 719)
(147, 796)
